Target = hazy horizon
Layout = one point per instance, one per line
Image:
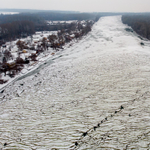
(79, 5)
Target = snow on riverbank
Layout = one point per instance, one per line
(42, 58)
(86, 84)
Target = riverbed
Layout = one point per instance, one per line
(95, 95)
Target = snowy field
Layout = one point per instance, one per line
(61, 22)
(8, 13)
(93, 95)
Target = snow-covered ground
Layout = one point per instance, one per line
(33, 65)
(93, 95)
(61, 22)
(9, 13)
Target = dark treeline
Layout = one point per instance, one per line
(20, 17)
(65, 16)
(140, 23)
(21, 25)
(74, 16)
(13, 30)
(41, 16)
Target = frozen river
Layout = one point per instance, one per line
(95, 95)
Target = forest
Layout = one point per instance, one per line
(140, 23)
(27, 22)
(21, 25)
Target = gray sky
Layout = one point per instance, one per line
(80, 5)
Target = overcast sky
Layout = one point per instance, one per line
(80, 5)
